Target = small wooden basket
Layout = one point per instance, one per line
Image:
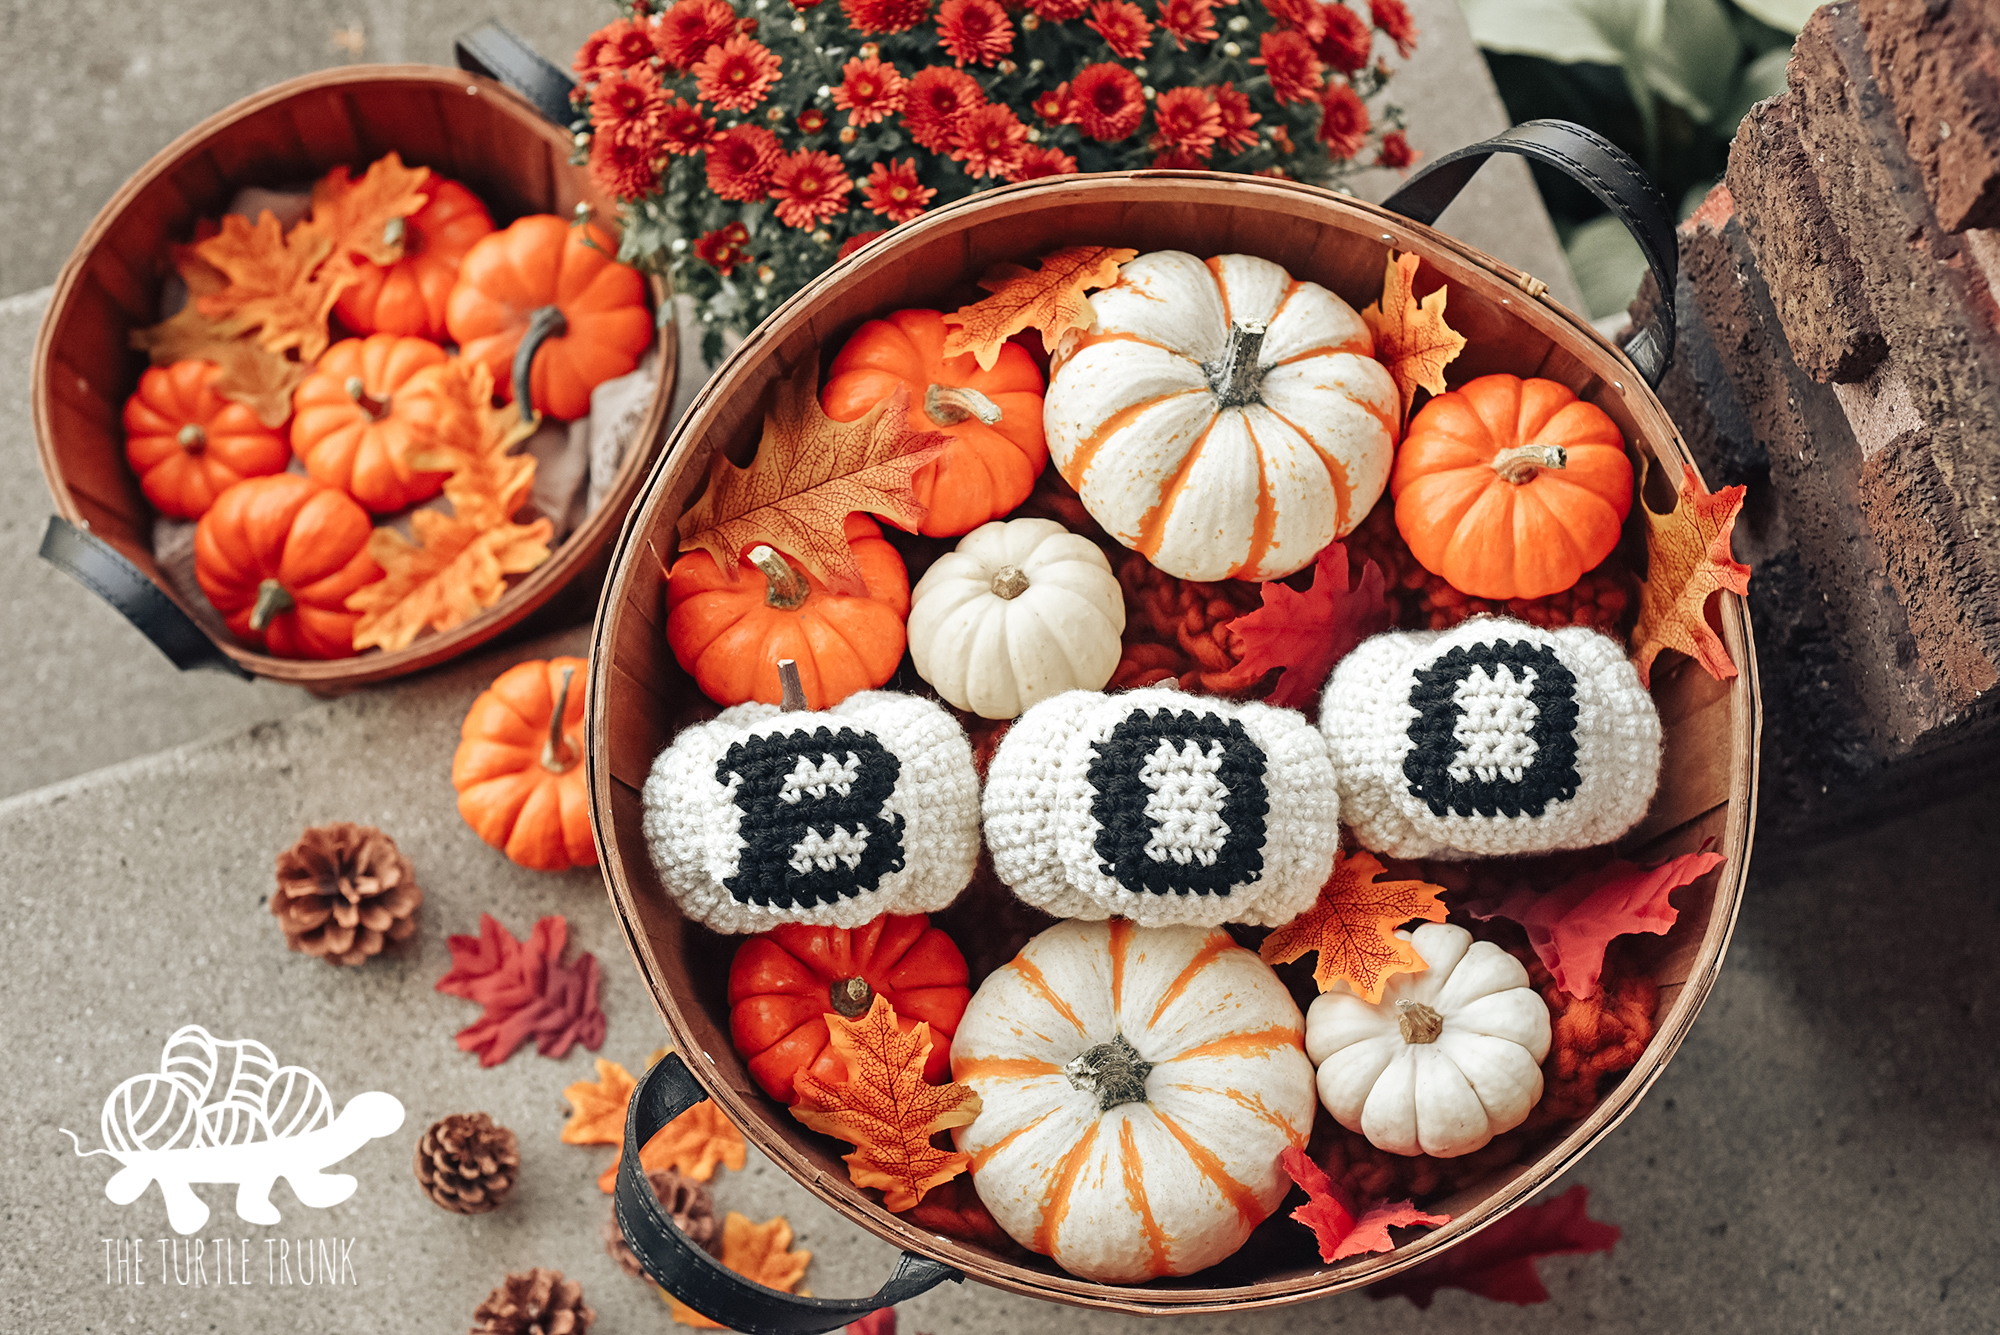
(465, 126)
(640, 697)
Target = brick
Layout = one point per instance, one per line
(1939, 63)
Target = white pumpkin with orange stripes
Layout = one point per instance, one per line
(1221, 417)
(1137, 1086)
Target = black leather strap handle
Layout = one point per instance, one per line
(101, 568)
(698, 1279)
(1599, 166)
(493, 50)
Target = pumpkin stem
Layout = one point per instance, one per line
(273, 600)
(558, 756)
(191, 438)
(1524, 462)
(357, 390)
(394, 231)
(1237, 377)
(546, 323)
(1419, 1023)
(1010, 583)
(851, 996)
(1112, 1073)
(947, 405)
(794, 700)
(787, 589)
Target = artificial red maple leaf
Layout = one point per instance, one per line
(1499, 1262)
(1371, 1231)
(1571, 925)
(1352, 926)
(1305, 633)
(1340, 1234)
(526, 990)
(1687, 562)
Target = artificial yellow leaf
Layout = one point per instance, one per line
(809, 474)
(251, 373)
(1411, 338)
(1049, 298)
(474, 444)
(1353, 927)
(1687, 562)
(271, 284)
(692, 1145)
(454, 572)
(758, 1252)
(599, 1116)
(364, 217)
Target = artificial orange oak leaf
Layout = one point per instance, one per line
(474, 443)
(758, 1252)
(809, 474)
(272, 284)
(1353, 927)
(251, 373)
(456, 570)
(1050, 299)
(692, 1145)
(1687, 562)
(599, 1116)
(884, 1108)
(1304, 633)
(365, 217)
(1411, 338)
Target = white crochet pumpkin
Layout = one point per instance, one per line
(1163, 808)
(1448, 1059)
(1491, 738)
(1018, 612)
(830, 817)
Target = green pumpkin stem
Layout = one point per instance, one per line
(1113, 1073)
(1524, 462)
(1238, 376)
(948, 405)
(546, 323)
(273, 600)
(786, 589)
(558, 756)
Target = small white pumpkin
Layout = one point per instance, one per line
(1018, 612)
(1221, 417)
(1136, 1087)
(1448, 1059)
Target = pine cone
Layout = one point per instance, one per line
(539, 1302)
(467, 1164)
(690, 1206)
(343, 891)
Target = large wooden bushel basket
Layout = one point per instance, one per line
(639, 697)
(465, 126)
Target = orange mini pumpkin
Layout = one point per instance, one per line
(550, 290)
(729, 631)
(1511, 488)
(519, 771)
(994, 418)
(188, 444)
(365, 410)
(409, 296)
(278, 556)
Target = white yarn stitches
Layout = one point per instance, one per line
(1489, 739)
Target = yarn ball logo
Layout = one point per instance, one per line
(815, 827)
(224, 1111)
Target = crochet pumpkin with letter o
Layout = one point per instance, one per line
(1162, 807)
(1489, 739)
(519, 771)
(1137, 1086)
(765, 816)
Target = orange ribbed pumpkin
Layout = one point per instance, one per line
(1511, 488)
(994, 418)
(522, 784)
(365, 410)
(278, 557)
(1137, 1086)
(729, 631)
(409, 296)
(188, 444)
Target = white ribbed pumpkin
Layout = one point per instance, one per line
(1137, 1086)
(1222, 418)
(1018, 612)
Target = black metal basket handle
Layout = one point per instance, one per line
(103, 569)
(493, 49)
(698, 1279)
(1599, 166)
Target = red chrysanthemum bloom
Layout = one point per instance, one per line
(989, 141)
(723, 248)
(857, 241)
(690, 27)
(1107, 101)
(747, 26)
(1343, 120)
(869, 90)
(1239, 122)
(812, 120)
(1393, 18)
(1396, 151)
(740, 162)
(736, 74)
(629, 105)
(1295, 71)
(1307, 17)
(1123, 25)
(1058, 11)
(937, 102)
(1188, 21)
(810, 188)
(1037, 162)
(1179, 158)
(1345, 41)
(893, 190)
(684, 130)
(1186, 118)
(616, 46)
(1056, 106)
(625, 168)
(974, 31)
(885, 15)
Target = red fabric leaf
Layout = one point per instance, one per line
(1306, 633)
(1371, 1231)
(1499, 1263)
(881, 1322)
(1340, 1234)
(1570, 926)
(526, 990)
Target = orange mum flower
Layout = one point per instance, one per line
(1186, 119)
(1393, 18)
(810, 188)
(629, 105)
(690, 27)
(1396, 151)
(724, 247)
(869, 90)
(1055, 106)
(937, 103)
(740, 162)
(1037, 162)
(989, 141)
(1123, 25)
(1058, 11)
(1343, 120)
(975, 31)
(1188, 21)
(1344, 43)
(1107, 101)
(616, 46)
(1239, 122)
(736, 74)
(684, 130)
(893, 190)
(623, 168)
(885, 15)
(1294, 69)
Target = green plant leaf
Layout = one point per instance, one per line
(1608, 265)
(1686, 51)
(1791, 15)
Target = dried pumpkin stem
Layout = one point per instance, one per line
(357, 389)
(794, 699)
(1113, 1073)
(558, 756)
(273, 600)
(787, 589)
(948, 405)
(852, 996)
(546, 323)
(1419, 1023)
(1238, 376)
(1522, 463)
(1010, 583)
(191, 438)
(394, 231)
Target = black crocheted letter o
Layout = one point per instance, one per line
(857, 773)
(1549, 777)
(1125, 827)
